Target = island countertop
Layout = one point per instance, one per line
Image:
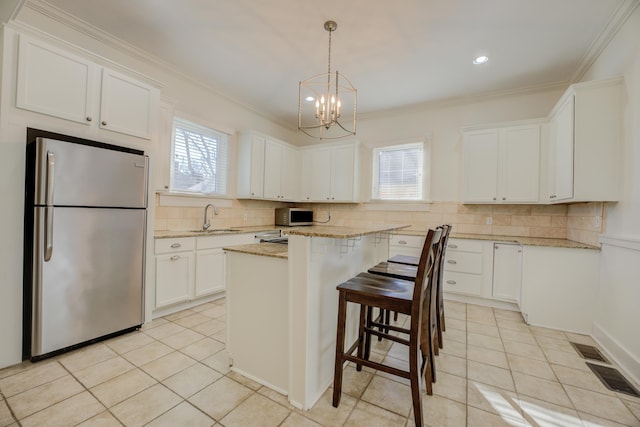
(339, 232)
(274, 250)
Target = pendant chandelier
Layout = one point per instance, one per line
(327, 102)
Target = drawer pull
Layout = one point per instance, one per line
(176, 245)
(452, 246)
(402, 242)
(452, 261)
(175, 257)
(451, 282)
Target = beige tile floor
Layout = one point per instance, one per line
(494, 371)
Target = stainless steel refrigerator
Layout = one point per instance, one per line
(85, 227)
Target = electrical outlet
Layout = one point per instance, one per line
(597, 221)
(489, 220)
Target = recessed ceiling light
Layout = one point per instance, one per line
(480, 60)
(309, 99)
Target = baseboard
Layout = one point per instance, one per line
(628, 363)
(487, 302)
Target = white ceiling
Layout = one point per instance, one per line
(396, 53)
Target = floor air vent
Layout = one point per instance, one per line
(589, 352)
(613, 379)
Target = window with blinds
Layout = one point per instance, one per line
(398, 172)
(199, 159)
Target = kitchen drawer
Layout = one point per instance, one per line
(179, 244)
(462, 283)
(407, 241)
(465, 245)
(212, 242)
(463, 262)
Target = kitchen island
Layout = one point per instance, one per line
(282, 311)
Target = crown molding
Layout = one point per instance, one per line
(616, 21)
(463, 100)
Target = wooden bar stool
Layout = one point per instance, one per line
(414, 299)
(404, 267)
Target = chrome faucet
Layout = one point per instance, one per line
(206, 224)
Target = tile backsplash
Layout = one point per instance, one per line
(574, 222)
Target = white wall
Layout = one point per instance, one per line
(617, 316)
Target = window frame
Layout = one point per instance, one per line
(207, 131)
(425, 145)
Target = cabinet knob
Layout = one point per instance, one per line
(451, 282)
(166, 187)
(494, 198)
(175, 257)
(176, 245)
(307, 198)
(402, 242)
(328, 198)
(452, 246)
(504, 198)
(253, 194)
(104, 123)
(89, 118)
(452, 261)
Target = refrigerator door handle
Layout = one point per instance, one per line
(48, 233)
(51, 163)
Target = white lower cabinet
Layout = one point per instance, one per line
(174, 270)
(464, 267)
(507, 272)
(405, 245)
(209, 272)
(190, 269)
(559, 287)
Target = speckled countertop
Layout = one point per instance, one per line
(165, 234)
(337, 232)
(526, 241)
(274, 250)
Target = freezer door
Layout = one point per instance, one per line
(70, 174)
(92, 284)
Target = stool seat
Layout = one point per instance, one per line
(404, 259)
(397, 271)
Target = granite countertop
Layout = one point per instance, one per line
(526, 241)
(338, 232)
(165, 234)
(274, 250)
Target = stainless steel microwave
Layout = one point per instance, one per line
(292, 217)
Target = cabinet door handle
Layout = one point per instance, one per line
(89, 118)
(452, 246)
(452, 261)
(402, 242)
(494, 198)
(104, 123)
(176, 245)
(451, 282)
(175, 257)
(504, 198)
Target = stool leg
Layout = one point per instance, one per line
(367, 335)
(414, 378)
(337, 376)
(363, 341)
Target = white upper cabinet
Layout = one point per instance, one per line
(583, 161)
(61, 84)
(127, 105)
(330, 173)
(267, 168)
(502, 165)
(55, 82)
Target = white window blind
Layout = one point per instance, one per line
(199, 159)
(398, 172)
